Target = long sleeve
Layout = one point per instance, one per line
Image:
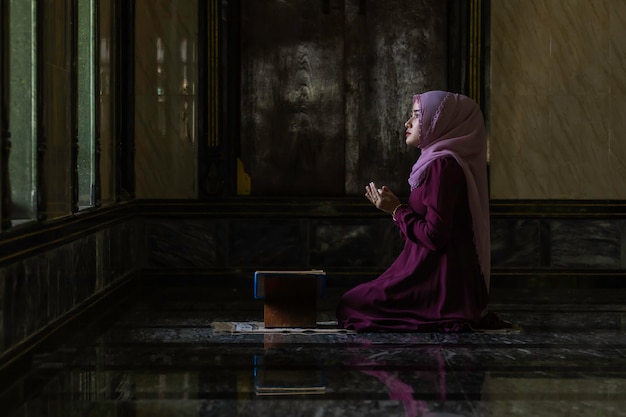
(429, 218)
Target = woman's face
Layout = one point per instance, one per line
(412, 126)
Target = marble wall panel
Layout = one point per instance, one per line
(515, 243)
(520, 64)
(166, 52)
(103, 260)
(617, 51)
(337, 244)
(579, 46)
(579, 146)
(570, 54)
(350, 244)
(199, 244)
(586, 244)
(14, 322)
(166, 159)
(16, 307)
(127, 248)
(355, 244)
(36, 292)
(519, 145)
(166, 98)
(268, 243)
(56, 266)
(39, 289)
(83, 267)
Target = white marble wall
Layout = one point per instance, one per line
(557, 125)
(166, 98)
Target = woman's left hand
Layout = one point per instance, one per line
(383, 198)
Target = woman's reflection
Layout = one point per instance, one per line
(419, 381)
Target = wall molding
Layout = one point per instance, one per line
(31, 239)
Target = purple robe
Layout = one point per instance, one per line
(435, 284)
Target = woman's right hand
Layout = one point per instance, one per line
(383, 198)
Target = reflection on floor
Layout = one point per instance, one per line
(160, 357)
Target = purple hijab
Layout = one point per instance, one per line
(452, 125)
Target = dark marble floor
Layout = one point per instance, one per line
(158, 356)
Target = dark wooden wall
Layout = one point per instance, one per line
(325, 89)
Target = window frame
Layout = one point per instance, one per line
(120, 122)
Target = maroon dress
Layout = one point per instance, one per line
(435, 284)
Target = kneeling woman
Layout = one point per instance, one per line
(440, 280)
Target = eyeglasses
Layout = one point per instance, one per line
(413, 114)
